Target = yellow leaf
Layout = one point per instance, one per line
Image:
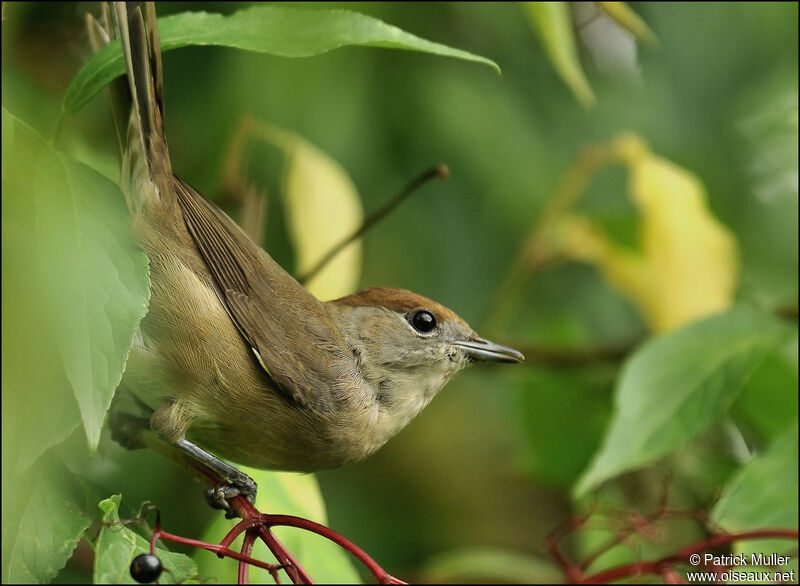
(686, 265)
(553, 22)
(627, 270)
(625, 17)
(322, 209)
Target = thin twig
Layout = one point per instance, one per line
(534, 253)
(657, 566)
(440, 171)
(217, 549)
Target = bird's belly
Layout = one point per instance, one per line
(285, 437)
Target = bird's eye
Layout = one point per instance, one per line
(422, 321)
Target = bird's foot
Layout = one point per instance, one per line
(240, 485)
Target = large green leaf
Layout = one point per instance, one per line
(769, 402)
(763, 494)
(117, 545)
(95, 276)
(37, 401)
(287, 494)
(277, 30)
(553, 22)
(51, 523)
(88, 276)
(676, 386)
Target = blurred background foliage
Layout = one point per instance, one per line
(473, 486)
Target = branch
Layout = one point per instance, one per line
(254, 525)
(659, 566)
(641, 525)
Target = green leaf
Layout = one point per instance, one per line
(553, 22)
(277, 30)
(37, 400)
(764, 494)
(290, 494)
(677, 385)
(769, 402)
(117, 545)
(52, 522)
(91, 275)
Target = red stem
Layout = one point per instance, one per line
(623, 534)
(220, 550)
(241, 526)
(571, 572)
(253, 518)
(247, 550)
(657, 566)
(380, 574)
(254, 523)
(294, 570)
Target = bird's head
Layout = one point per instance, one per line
(407, 347)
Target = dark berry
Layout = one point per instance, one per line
(146, 568)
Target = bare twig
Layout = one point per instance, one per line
(638, 524)
(440, 171)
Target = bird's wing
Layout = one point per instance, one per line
(287, 328)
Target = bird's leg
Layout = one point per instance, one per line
(135, 432)
(239, 483)
(207, 465)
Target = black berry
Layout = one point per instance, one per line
(146, 568)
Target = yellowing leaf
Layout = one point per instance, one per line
(625, 17)
(322, 209)
(686, 266)
(626, 269)
(553, 22)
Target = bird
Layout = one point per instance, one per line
(235, 359)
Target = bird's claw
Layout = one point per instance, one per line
(220, 496)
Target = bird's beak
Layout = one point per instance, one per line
(480, 349)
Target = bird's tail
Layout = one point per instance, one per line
(137, 102)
